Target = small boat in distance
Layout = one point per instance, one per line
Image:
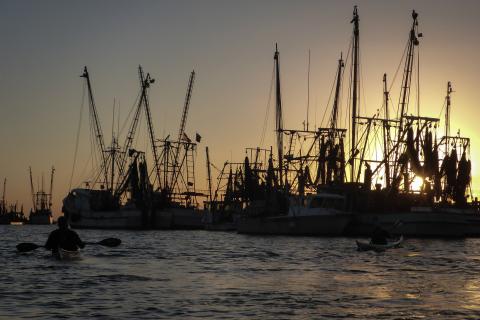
(8, 212)
(41, 212)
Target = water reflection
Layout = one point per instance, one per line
(220, 275)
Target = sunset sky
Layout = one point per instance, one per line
(230, 44)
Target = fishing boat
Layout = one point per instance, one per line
(385, 168)
(122, 196)
(177, 204)
(41, 212)
(116, 196)
(422, 180)
(9, 213)
(225, 199)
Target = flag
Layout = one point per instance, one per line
(198, 137)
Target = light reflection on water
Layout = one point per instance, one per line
(188, 274)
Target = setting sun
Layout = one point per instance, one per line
(416, 184)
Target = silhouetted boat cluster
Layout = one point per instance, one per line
(323, 181)
(41, 212)
(9, 213)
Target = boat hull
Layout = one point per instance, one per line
(77, 207)
(40, 219)
(178, 218)
(114, 219)
(311, 225)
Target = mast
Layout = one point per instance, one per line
(4, 191)
(386, 131)
(32, 189)
(407, 76)
(42, 194)
(181, 130)
(113, 149)
(336, 101)
(96, 123)
(308, 88)
(51, 188)
(406, 82)
(355, 91)
(278, 114)
(145, 82)
(447, 115)
(209, 177)
(131, 132)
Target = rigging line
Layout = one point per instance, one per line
(404, 71)
(96, 167)
(349, 103)
(127, 119)
(82, 172)
(418, 81)
(267, 112)
(396, 74)
(215, 167)
(361, 84)
(346, 115)
(77, 139)
(308, 87)
(94, 146)
(327, 108)
(443, 107)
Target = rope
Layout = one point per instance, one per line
(418, 81)
(267, 112)
(328, 102)
(77, 139)
(135, 103)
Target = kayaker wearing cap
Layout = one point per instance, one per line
(64, 238)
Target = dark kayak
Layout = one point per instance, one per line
(365, 246)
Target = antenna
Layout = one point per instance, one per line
(308, 87)
(32, 189)
(447, 113)
(51, 188)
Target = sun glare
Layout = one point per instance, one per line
(416, 184)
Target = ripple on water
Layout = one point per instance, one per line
(198, 274)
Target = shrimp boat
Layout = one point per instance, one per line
(41, 212)
(9, 214)
(385, 169)
(124, 197)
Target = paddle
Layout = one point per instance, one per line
(109, 242)
(26, 246)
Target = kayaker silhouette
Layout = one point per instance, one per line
(379, 235)
(64, 238)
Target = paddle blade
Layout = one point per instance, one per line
(110, 242)
(26, 246)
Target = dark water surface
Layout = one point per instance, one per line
(200, 274)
